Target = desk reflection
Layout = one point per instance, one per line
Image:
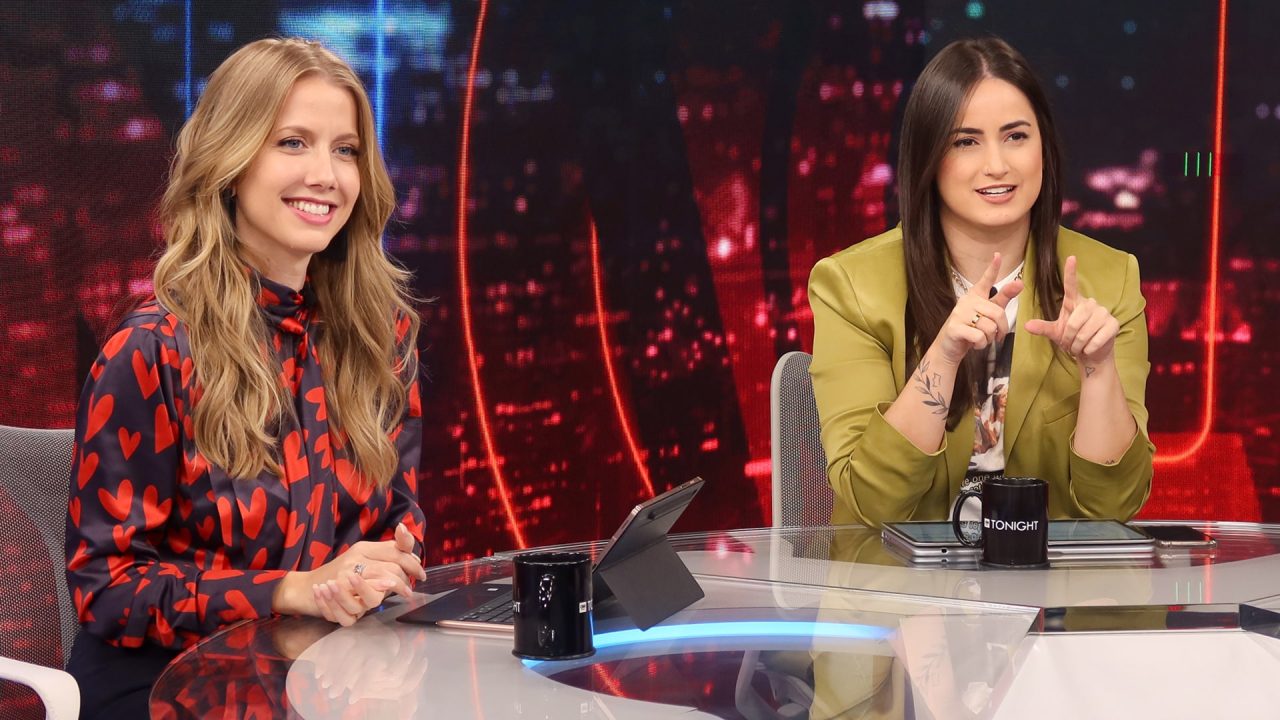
(370, 671)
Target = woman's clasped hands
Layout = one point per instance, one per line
(345, 588)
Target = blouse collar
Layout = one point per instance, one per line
(284, 307)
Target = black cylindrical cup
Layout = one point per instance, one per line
(1015, 522)
(551, 595)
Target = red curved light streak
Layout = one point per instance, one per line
(464, 284)
(1211, 335)
(597, 286)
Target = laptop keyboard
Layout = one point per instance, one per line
(498, 611)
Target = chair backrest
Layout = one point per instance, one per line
(801, 492)
(35, 470)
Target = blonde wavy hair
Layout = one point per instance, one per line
(201, 277)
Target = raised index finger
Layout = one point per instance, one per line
(1070, 290)
(982, 288)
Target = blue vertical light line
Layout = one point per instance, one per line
(186, 55)
(379, 68)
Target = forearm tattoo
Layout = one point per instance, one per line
(929, 384)
(1088, 370)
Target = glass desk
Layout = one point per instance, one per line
(800, 623)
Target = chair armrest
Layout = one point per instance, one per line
(57, 689)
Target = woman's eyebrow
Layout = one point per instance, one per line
(1003, 128)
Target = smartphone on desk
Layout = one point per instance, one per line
(1178, 536)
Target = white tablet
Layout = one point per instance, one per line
(1067, 538)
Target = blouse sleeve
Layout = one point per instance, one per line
(121, 511)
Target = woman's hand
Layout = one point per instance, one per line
(338, 593)
(978, 319)
(1084, 329)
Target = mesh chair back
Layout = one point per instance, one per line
(801, 492)
(35, 469)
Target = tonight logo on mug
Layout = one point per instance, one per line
(1018, 525)
(1015, 522)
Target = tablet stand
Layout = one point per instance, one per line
(650, 585)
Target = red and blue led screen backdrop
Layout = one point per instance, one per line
(614, 207)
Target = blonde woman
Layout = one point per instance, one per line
(248, 441)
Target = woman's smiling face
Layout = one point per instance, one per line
(991, 174)
(301, 187)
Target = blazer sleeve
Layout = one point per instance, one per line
(873, 468)
(121, 510)
(1120, 489)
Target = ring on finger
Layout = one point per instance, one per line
(358, 569)
(974, 321)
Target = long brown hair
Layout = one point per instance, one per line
(360, 292)
(930, 117)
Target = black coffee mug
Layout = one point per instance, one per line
(1015, 521)
(551, 596)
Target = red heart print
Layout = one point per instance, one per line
(116, 342)
(88, 464)
(295, 463)
(123, 536)
(117, 505)
(205, 528)
(154, 511)
(179, 540)
(239, 607)
(99, 413)
(319, 553)
(253, 515)
(367, 518)
(166, 432)
(128, 441)
(148, 376)
(354, 481)
(224, 519)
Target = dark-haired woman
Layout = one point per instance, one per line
(980, 337)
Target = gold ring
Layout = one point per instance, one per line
(974, 321)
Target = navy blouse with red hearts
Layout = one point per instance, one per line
(164, 548)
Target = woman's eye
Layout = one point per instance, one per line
(964, 142)
(1018, 136)
(291, 143)
(348, 151)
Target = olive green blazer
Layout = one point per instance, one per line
(859, 299)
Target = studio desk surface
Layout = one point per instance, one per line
(802, 623)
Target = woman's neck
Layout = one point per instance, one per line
(971, 251)
(285, 270)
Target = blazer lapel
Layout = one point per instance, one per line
(1031, 356)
